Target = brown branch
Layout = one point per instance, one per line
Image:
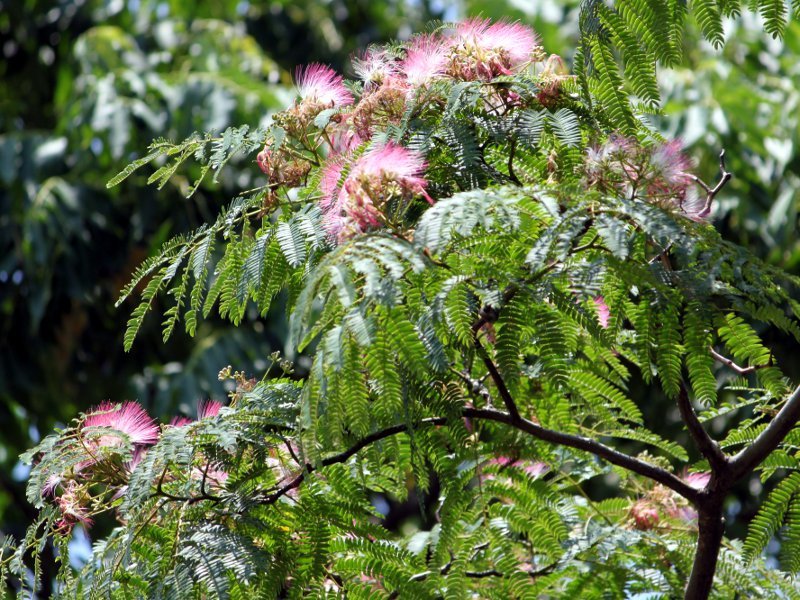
(591, 446)
(343, 456)
(708, 447)
(711, 529)
(769, 439)
(732, 365)
(711, 193)
(552, 436)
(499, 383)
(710, 519)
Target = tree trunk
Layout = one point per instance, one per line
(712, 527)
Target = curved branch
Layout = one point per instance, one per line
(343, 456)
(707, 446)
(615, 457)
(769, 439)
(552, 436)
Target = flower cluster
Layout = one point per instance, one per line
(660, 172)
(113, 438)
(364, 183)
(660, 503)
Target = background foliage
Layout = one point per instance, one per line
(91, 84)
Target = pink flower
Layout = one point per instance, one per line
(129, 418)
(426, 59)
(670, 165)
(72, 504)
(263, 160)
(396, 163)
(50, 484)
(483, 50)
(697, 480)
(180, 421)
(645, 515)
(320, 84)
(536, 469)
(374, 66)
(208, 408)
(603, 312)
(386, 171)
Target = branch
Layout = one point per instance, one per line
(711, 527)
(707, 446)
(552, 436)
(732, 365)
(711, 193)
(343, 456)
(499, 383)
(769, 439)
(615, 457)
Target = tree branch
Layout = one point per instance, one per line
(769, 439)
(615, 457)
(552, 436)
(711, 193)
(499, 383)
(732, 365)
(707, 446)
(343, 456)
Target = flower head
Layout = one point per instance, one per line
(208, 408)
(319, 84)
(73, 506)
(484, 50)
(129, 418)
(426, 59)
(603, 312)
(386, 172)
(645, 515)
(697, 480)
(375, 66)
(670, 165)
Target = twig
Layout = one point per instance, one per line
(711, 193)
(732, 365)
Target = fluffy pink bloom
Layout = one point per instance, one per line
(344, 139)
(263, 159)
(483, 50)
(603, 312)
(180, 421)
(333, 220)
(536, 469)
(129, 418)
(321, 84)
(670, 165)
(72, 504)
(50, 485)
(697, 480)
(426, 59)
(375, 66)
(355, 207)
(208, 408)
(394, 162)
(645, 515)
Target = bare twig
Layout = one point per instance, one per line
(711, 193)
(733, 366)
